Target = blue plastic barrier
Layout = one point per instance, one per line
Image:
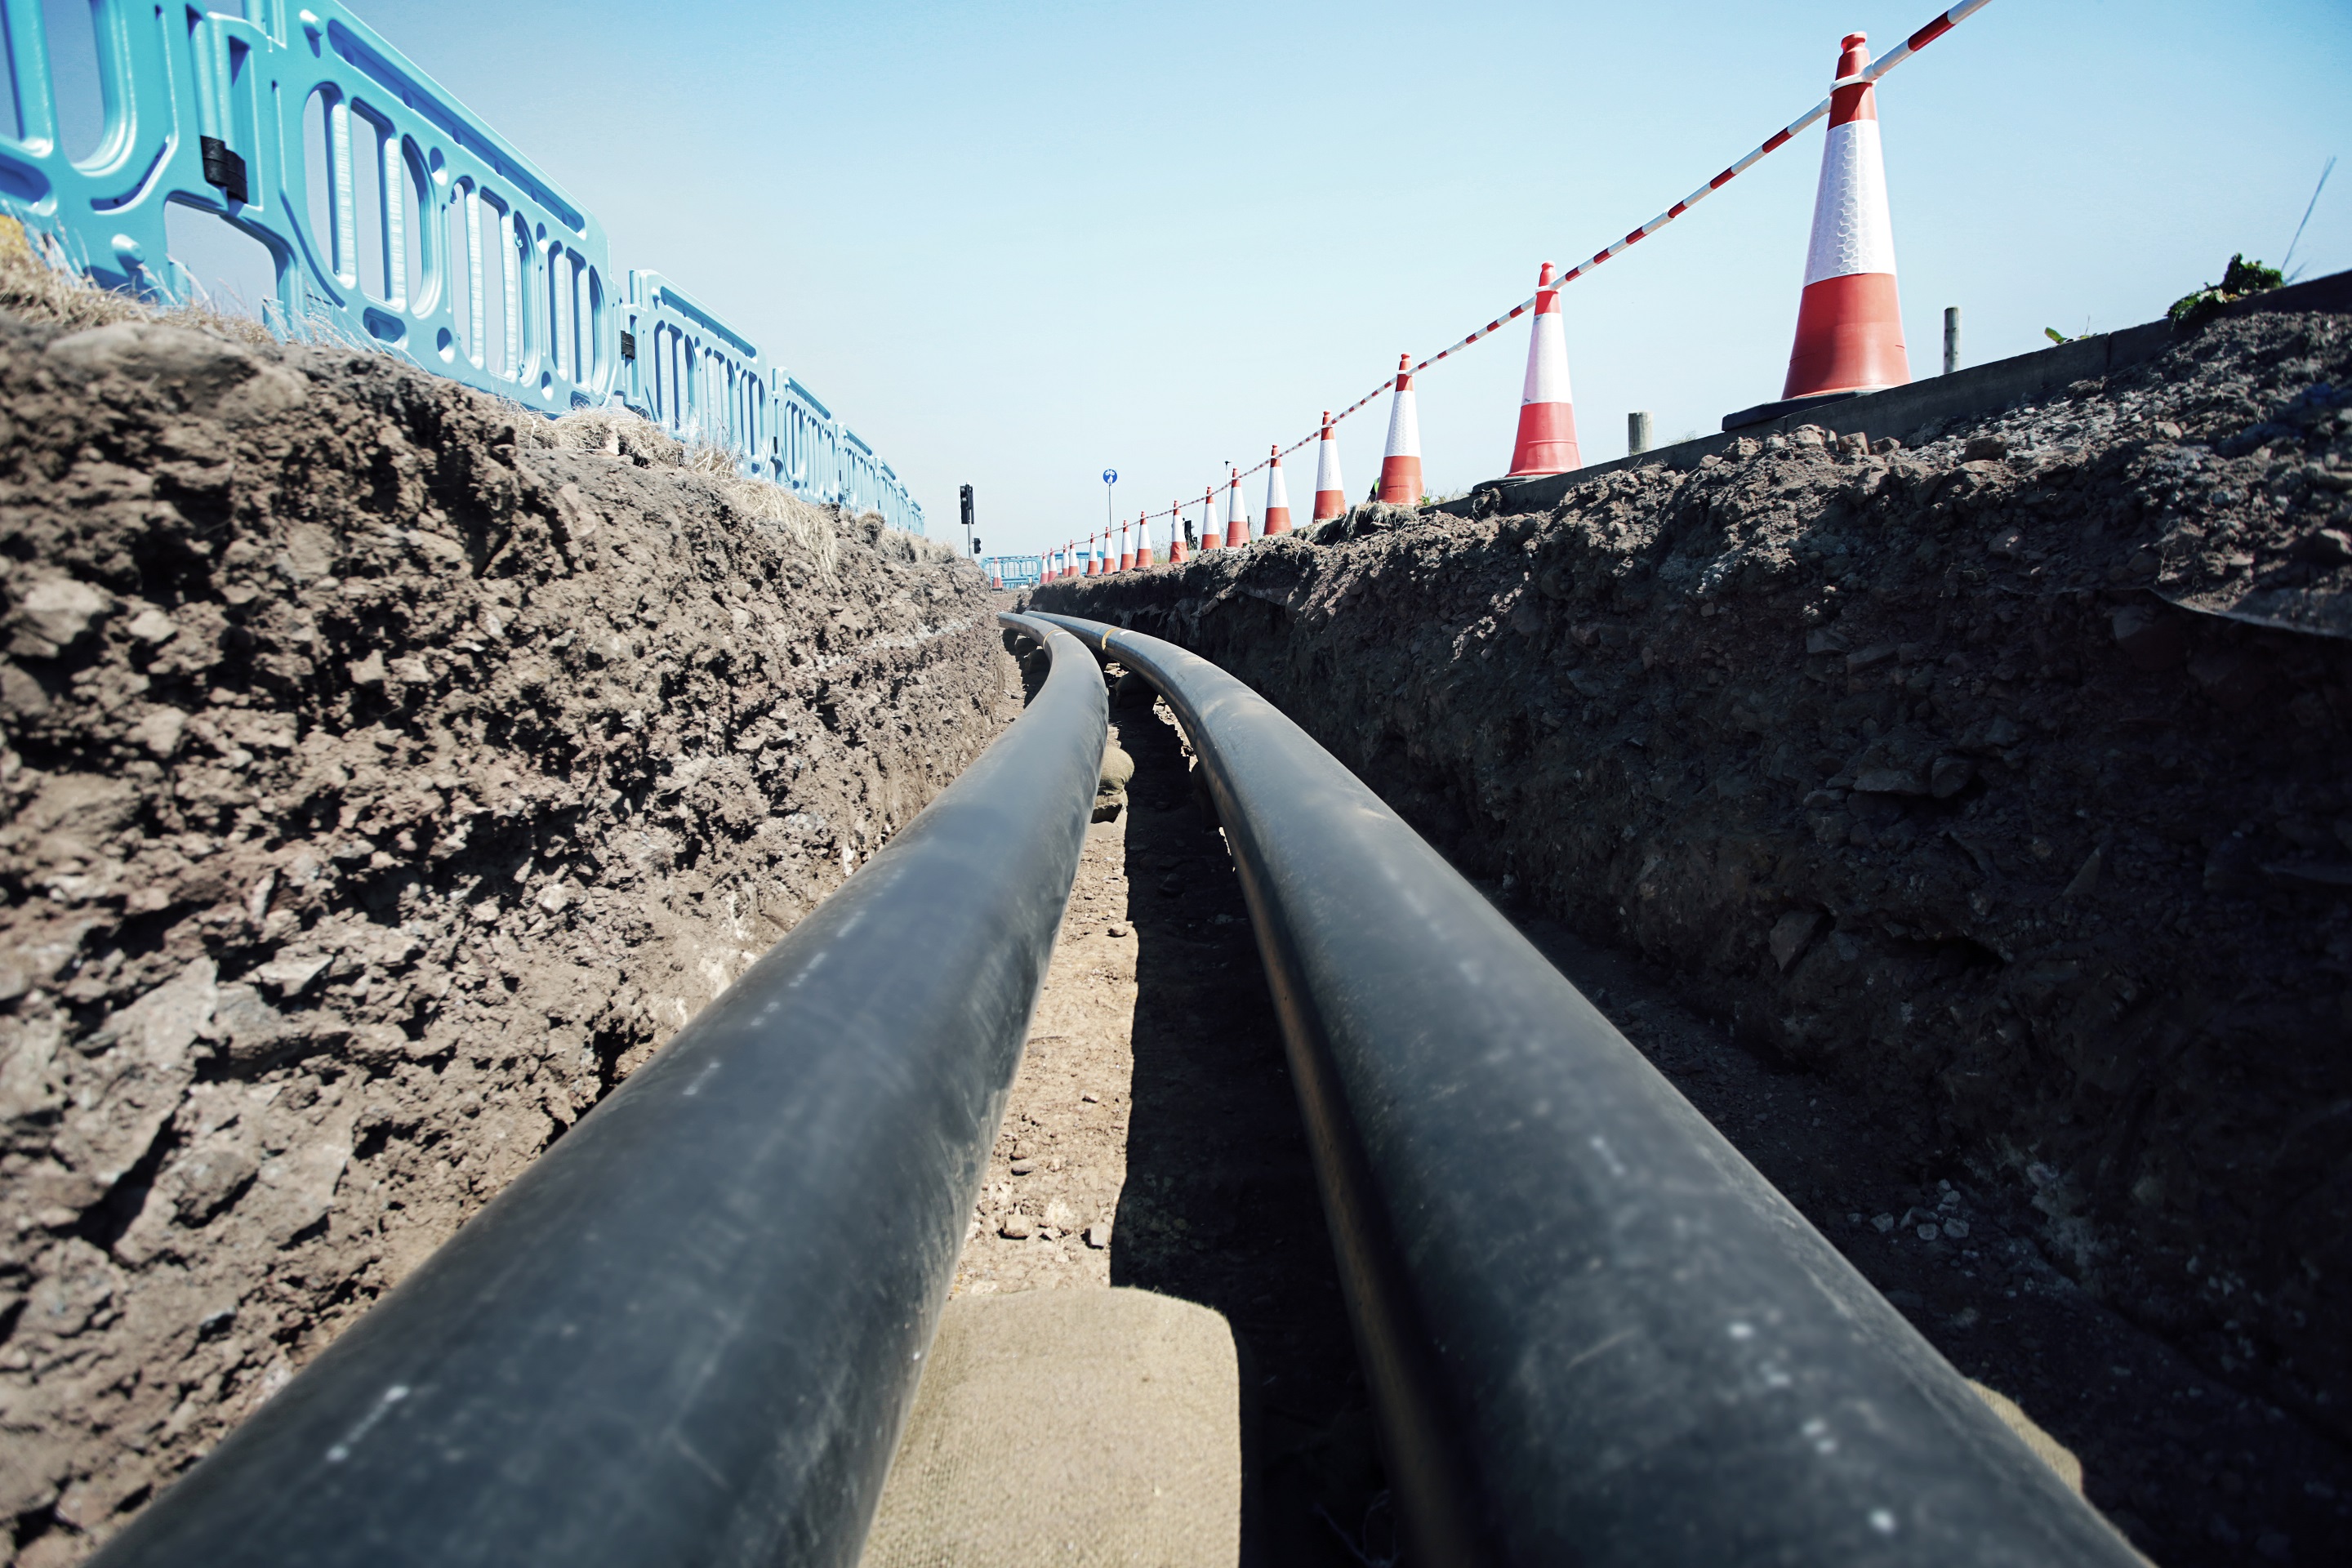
(1014, 571)
(391, 214)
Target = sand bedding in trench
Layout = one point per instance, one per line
(1154, 1102)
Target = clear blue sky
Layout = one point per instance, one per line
(1014, 244)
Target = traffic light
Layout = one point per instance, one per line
(967, 505)
(975, 544)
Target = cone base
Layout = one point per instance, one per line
(1849, 336)
(1401, 481)
(1278, 521)
(1330, 504)
(1547, 440)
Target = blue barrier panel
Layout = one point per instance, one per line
(688, 371)
(1014, 571)
(391, 215)
(702, 381)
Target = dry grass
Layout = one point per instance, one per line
(39, 290)
(39, 284)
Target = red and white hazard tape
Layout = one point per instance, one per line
(1772, 143)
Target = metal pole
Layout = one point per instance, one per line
(1637, 431)
(1951, 339)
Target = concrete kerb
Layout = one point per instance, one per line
(1904, 411)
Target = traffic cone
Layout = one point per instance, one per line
(1210, 538)
(1277, 498)
(1178, 553)
(1237, 528)
(1330, 493)
(1849, 322)
(1401, 465)
(1126, 556)
(1143, 545)
(1547, 443)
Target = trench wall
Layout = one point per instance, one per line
(2008, 776)
(384, 772)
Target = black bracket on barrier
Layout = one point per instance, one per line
(223, 168)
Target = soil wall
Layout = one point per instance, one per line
(2008, 778)
(384, 772)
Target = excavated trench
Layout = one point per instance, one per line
(388, 774)
(385, 775)
(1965, 823)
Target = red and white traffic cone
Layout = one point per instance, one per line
(1143, 543)
(1277, 497)
(1178, 552)
(1087, 558)
(1547, 441)
(1126, 556)
(1330, 492)
(1401, 465)
(1849, 322)
(1211, 535)
(1237, 528)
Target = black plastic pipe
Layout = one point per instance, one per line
(1593, 1332)
(689, 1333)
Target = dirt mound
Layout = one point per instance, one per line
(386, 774)
(2009, 778)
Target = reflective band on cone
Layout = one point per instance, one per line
(1849, 321)
(1237, 528)
(1330, 492)
(1547, 439)
(1277, 498)
(1401, 465)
